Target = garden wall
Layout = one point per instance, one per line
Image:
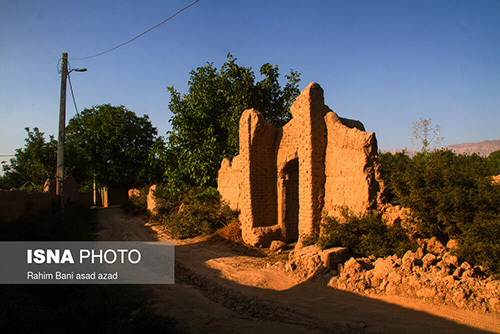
(16, 203)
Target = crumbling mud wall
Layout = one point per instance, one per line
(16, 203)
(285, 180)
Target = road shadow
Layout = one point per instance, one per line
(308, 304)
(206, 299)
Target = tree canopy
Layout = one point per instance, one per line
(493, 161)
(32, 164)
(110, 142)
(205, 121)
(450, 196)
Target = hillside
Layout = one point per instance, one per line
(483, 148)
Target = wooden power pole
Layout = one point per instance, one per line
(61, 136)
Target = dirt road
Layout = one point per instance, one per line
(222, 288)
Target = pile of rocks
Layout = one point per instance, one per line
(431, 273)
(312, 260)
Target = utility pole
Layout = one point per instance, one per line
(61, 136)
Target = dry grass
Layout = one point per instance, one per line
(231, 232)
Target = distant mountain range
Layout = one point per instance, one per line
(483, 148)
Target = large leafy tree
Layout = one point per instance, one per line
(111, 144)
(32, 164)
(205, 120)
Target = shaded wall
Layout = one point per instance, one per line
(16, 203)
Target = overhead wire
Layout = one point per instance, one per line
(72, 94)
(142, 34)
(118, 46)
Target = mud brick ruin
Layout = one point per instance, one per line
(285, 180)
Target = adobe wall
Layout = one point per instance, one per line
(284, 180)
(16, 203)
(352, 173)
(70, 189)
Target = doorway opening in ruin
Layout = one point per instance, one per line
(290, 199)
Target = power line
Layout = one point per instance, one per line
(136, 37)
(72, 94)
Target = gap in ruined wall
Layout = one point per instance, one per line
(290, 202)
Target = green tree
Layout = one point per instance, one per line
(392, 168)
(494, 162)
(450, 196)
(112, 143)
(33, 164)
(444, 190)
(205, 121)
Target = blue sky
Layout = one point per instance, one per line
(385, 63)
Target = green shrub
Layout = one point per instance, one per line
(444, 190)
(364, 235)
(311, 240)
(451, 196)
(142, 199)
(480, 242)
(193, 213)
(137, 205)
(493, 161)
(392, 169)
